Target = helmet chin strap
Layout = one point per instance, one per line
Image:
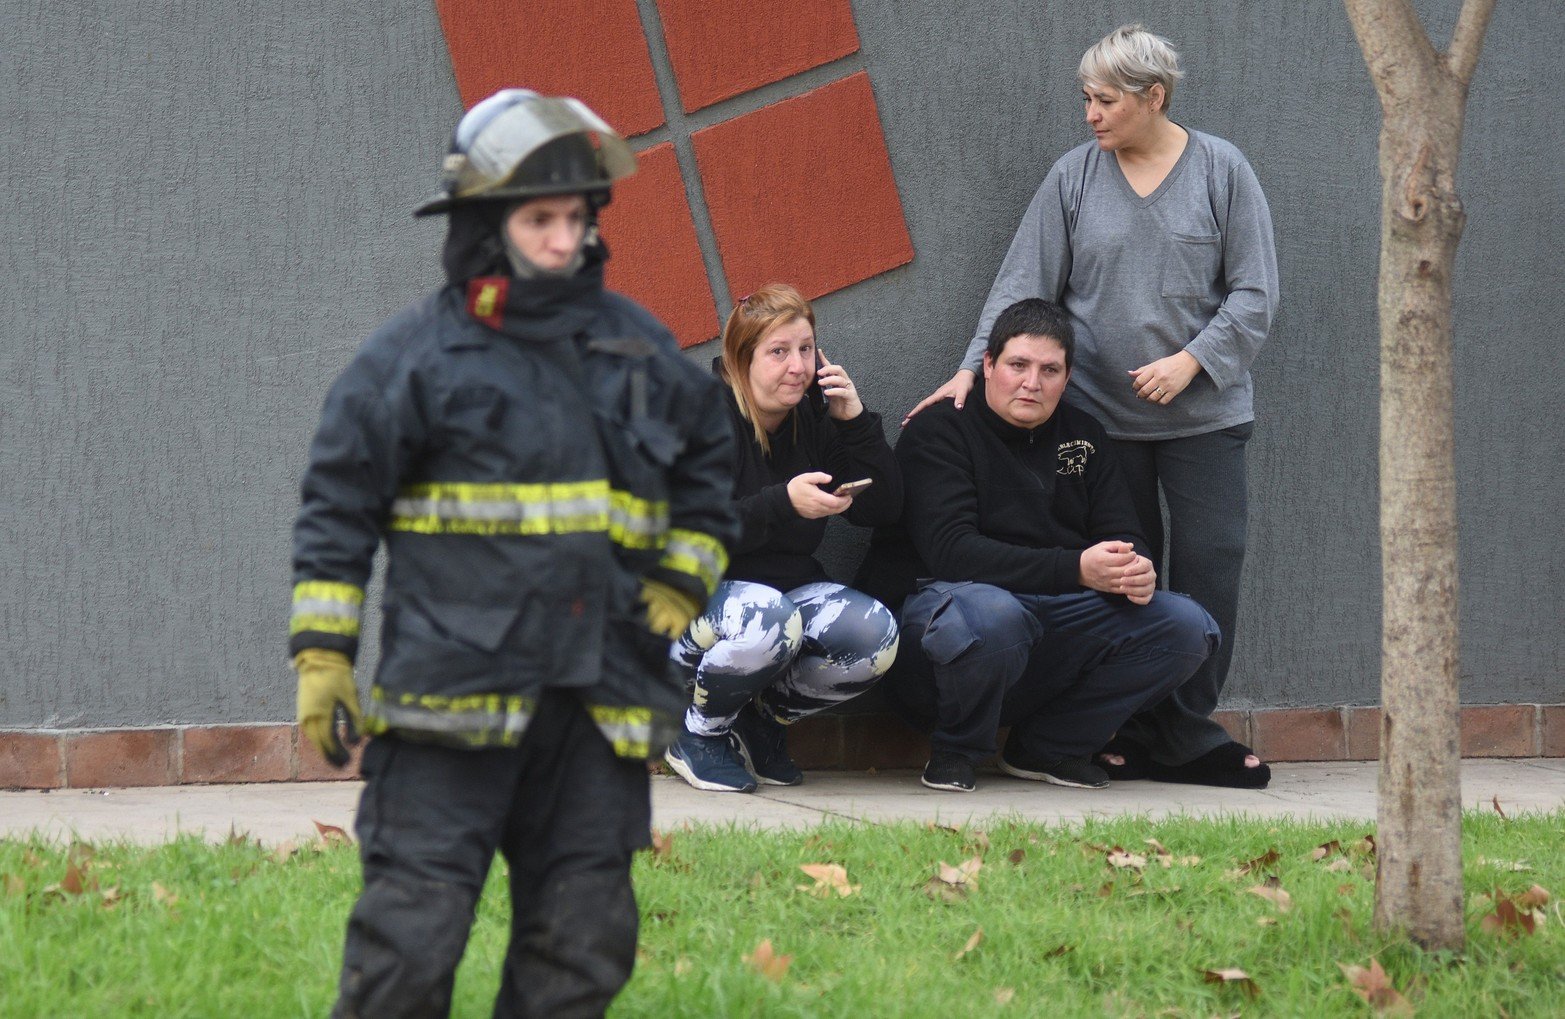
(524, 268)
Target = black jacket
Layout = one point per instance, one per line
(776, 546)
(990, 502)
(527, 452)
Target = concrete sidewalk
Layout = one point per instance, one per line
(277, 812)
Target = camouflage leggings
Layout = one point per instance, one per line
(794, 654)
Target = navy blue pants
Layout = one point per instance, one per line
(1062, 671)
(566, 814)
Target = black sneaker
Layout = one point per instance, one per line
(950, 771)
(707, 762)
(762, 745)
(1076, 772)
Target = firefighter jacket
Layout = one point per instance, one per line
(527, 451)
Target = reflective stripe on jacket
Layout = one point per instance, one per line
(522, 489)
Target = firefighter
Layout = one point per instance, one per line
(550, 478)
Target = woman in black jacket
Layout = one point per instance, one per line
(779, 640)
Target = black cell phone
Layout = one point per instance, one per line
(813, 392)
(853, 487)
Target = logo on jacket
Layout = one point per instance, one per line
(1073, 456)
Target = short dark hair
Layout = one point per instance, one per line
(1033, 317)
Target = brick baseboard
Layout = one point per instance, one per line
(200, 754)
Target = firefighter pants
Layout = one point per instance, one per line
(563, 811)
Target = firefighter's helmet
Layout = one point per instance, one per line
(518, 144)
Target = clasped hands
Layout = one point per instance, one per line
(1114, 567)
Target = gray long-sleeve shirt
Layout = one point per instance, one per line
(1191, 267)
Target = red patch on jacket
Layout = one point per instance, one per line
(486, 298)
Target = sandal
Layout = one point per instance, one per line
(1223, 766)
(1137, 760)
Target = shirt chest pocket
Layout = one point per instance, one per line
(1193, 264)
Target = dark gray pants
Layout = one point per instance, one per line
(1063, 671)
(564, 812)
(1202, 478)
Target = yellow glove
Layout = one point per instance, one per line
(328, 698)
(669, 610)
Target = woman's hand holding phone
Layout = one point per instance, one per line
(811, 501)
(842, 396)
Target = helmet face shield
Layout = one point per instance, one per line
(491, 157)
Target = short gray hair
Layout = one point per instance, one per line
(1131, 59)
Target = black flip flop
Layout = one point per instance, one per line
(1137, 760)
(1223, 766)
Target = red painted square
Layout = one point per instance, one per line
(591, 49)
(720, 48)
(801, 192)
(654, 255)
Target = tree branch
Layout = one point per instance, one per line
(1396, 47)
(1467, 39)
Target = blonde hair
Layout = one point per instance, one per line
(752, 318)
(1131, 59)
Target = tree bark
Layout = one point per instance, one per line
(1423, 96)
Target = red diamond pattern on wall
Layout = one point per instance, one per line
(656, 257)
(801, 191)
(592, 49)
(721, 49)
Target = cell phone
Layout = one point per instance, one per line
(853, 487)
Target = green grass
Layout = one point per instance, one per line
(189, 929)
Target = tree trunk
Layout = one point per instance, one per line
(1423, 94)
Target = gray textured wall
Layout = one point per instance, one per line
(207, 210)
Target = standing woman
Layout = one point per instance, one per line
(1157, 240)
(778, 640)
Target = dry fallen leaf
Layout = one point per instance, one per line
(163, 895)
(829, 877)
(765, 961)
(111, 896)
(662, 845)
(1533, 898)
(1118, 857)
(14, 885)
(1273, 894)
(330, 833)
(1004, 995)
(1497, 810)
(1339, 865)
(1058, 951)
(1265, 860)
(972, 943)
(77, 880)
(80, 853)
(1017, 855)
(1510, 918)
(1374, 986)
(1157, 848)
(682, 965)
(285, 850)
(1237, 977)
(952, 884)
(1326, 849)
